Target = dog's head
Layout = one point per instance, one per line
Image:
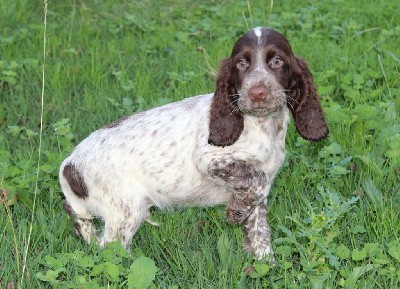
(260, 77)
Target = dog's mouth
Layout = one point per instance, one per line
(262, 111)
(260, 108)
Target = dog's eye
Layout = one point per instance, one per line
(276, 62)
(242, 64)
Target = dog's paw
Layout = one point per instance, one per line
(234, 216)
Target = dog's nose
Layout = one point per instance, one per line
(258, 93)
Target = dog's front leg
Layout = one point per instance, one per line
(258, 234)
(247, 205)
(250, 187)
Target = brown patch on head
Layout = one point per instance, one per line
(75, 180)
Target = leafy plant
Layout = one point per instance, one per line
(110, 265)
(323, 255)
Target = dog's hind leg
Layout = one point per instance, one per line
(82, 220)
(123, 222)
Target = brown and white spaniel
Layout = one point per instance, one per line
(220, 148)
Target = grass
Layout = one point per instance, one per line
(334, 208)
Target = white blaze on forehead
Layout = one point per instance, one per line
(258, 31)
(259, 61)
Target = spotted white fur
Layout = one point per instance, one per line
(165, 157)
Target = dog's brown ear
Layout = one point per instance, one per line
(226, 121)
(305, 105)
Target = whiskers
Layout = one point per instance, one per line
(286, 98)
(235, 107)
(290, 100)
